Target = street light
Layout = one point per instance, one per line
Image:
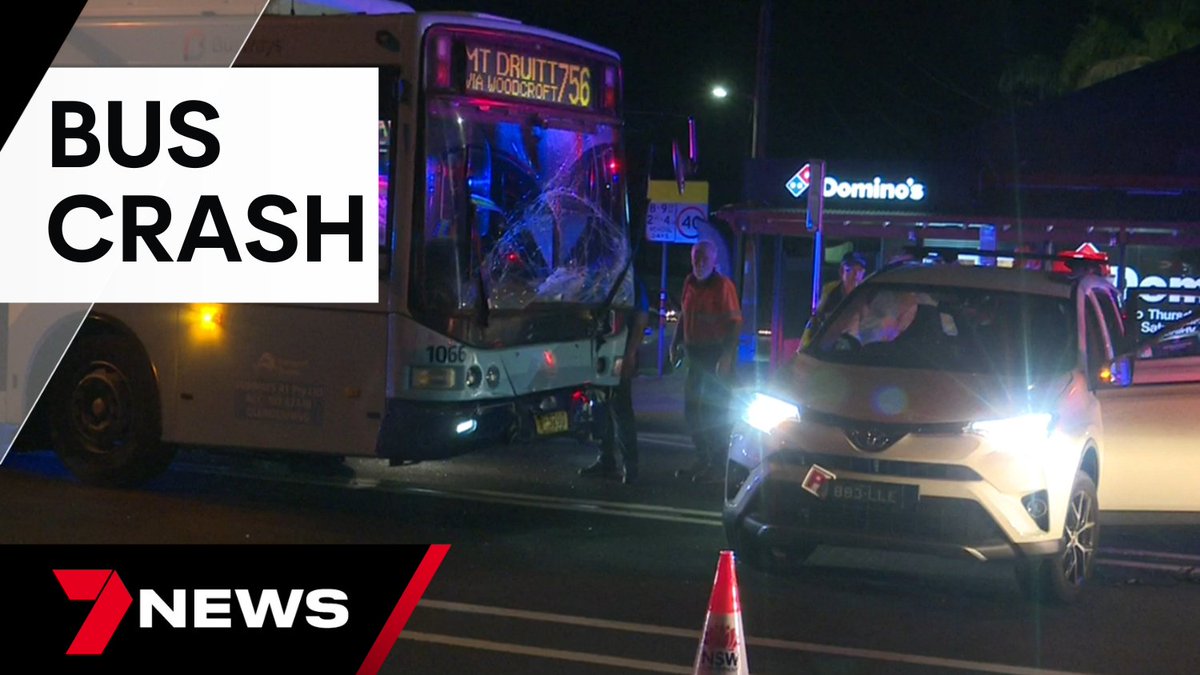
(721, 92)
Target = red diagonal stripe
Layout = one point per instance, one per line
(404, 609)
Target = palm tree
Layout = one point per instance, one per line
(1116, 38)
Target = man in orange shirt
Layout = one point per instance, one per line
(708, 332)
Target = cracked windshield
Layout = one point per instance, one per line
(521, 209)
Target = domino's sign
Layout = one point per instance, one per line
(908, 190)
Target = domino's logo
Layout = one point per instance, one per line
(799, 181)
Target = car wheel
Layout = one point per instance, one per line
(104, 413)
(1061, 578)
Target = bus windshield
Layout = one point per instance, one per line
(520, 208)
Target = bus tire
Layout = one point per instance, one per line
(104, 413)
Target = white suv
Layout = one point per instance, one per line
(941, 409)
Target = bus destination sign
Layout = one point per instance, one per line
(502, 71)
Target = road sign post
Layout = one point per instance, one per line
(673, 217)
(816, 213)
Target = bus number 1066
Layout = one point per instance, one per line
(444, 354)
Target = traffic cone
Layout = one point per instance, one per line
(723, 645)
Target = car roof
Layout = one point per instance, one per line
(1018, 280)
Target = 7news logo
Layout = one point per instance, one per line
(323, 608)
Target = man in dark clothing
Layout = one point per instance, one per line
(622, 427)
(708, 333)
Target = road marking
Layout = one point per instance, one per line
(1135, 553)
(576, 505)
(611, 508)
(626, 509)
(1189, 571)
(542, 652)
(770, 643)
(673, 440)
(583, 621)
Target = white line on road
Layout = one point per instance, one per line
(542, 652)
(1135, 553)
(672, 440)
(1189, 571)
(628, 510)
(576, 505)
(769, 643)
(624, 509)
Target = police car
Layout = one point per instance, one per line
(950, 410)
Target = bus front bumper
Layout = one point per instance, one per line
(420, 430)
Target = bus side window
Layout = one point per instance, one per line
(443, 265)
(390, 95)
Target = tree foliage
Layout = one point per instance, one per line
(1116, 37)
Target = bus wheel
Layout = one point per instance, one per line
(104, 413)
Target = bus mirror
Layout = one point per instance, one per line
(679, 164)
(693, 148)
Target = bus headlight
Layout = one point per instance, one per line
(1015, 433)
(767, 412)
(474, 376)
(493, 377)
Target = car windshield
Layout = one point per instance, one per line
(956, 329)
(522, 208)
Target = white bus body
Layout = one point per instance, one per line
(32, 338)
(482, 195)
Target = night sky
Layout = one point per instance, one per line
(849, 80)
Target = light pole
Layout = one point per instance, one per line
(746, 272)
(722, 92)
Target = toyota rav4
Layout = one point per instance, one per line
(941, 409)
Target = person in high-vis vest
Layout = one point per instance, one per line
(853, 271)
(708, 334)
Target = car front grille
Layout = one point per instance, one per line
(879, 467)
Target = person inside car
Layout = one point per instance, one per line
(853, 270)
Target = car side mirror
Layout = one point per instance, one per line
(1116, 374)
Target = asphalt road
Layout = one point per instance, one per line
(552, 573)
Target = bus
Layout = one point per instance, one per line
(32, 339)
(504, 253)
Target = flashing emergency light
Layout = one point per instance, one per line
(211, 318)
(206, 322)
(441, 48)
(610, 88)
(1085, 257)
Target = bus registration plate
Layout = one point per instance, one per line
(552, 423)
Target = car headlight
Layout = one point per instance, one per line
(767, 412)
(1015, 433)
